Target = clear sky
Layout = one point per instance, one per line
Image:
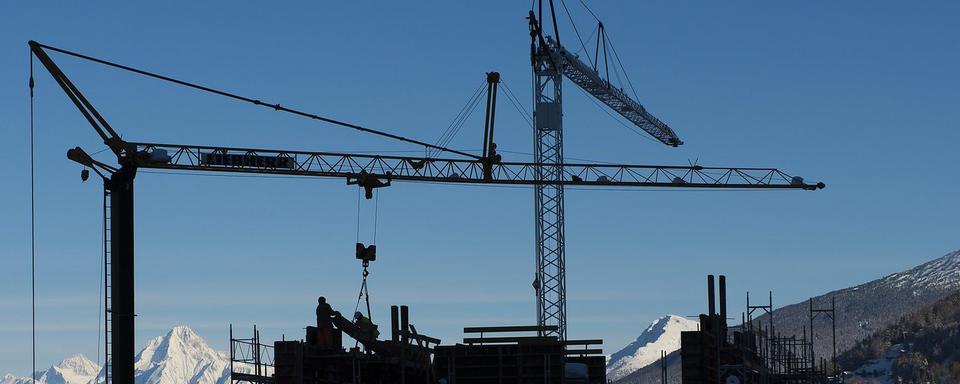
(862, 95)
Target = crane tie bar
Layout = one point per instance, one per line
(276, 107)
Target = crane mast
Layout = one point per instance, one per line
(550, 280)
(551, 62)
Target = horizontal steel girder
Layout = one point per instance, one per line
(327, 164)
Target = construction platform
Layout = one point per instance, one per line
(502, 354)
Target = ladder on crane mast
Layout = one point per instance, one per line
(107, 286)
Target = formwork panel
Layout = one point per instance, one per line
(516, 363)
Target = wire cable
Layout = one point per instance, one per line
(33, 233)
(612, 47)
(617, 56)
(359, 192)
(234, 96)
(577, 32)
(460, 120)
(376, 215)
(591, 12)
(516, 103)
(622, 124)
(446, 132)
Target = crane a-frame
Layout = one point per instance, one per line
(365, 170)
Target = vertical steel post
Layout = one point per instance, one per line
(711, 297)
(833, 319)
(394, 323)
(723, 307)
(405, 329)
(812, 333)
(107, 284)
(489, 147)
(122, 289)
(663, 367)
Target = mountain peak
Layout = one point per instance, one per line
(76, 369)
(77, 360)
(180, 356)
(663, 334)
(79, 364)
(182, 330)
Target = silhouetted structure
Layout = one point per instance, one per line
(506, 354)
(752, 353)
(508, 357)
(548, 173)
(405, 357)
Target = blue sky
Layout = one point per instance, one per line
(860, 94)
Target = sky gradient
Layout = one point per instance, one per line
(862, 95)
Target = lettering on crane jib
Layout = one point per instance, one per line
(247, 161)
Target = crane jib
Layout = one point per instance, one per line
(327, 164)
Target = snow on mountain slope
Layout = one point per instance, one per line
(179, 357)
(866, 308)
(76, 369)
(11, 379)
(942, 273)
(662, 335)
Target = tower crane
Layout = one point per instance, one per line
(551, 63)
(368, 171)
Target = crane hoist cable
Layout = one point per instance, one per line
(366, 254)
(274, 106)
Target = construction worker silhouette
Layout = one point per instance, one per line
(324, 322)
(366, 326)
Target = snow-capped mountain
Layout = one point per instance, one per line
(76, 369)
(861, 311)
(872, 306)
(662, 335)
(940, 274)
(179, 357)
(182, 357)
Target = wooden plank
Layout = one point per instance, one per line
(511, 328)
(593, 351)
(508, 339)
(417, 336)
(251, 378)
(583, 342)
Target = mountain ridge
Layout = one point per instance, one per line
(869, 307)
(178, 357)
(862, 310)
(663, 334)
(75, 369)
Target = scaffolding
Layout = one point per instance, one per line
(250, 360)
(754, 351)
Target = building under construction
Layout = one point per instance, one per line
(752, 352)
(502, 354)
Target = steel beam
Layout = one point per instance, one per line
(465, 171)
(122, 313)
